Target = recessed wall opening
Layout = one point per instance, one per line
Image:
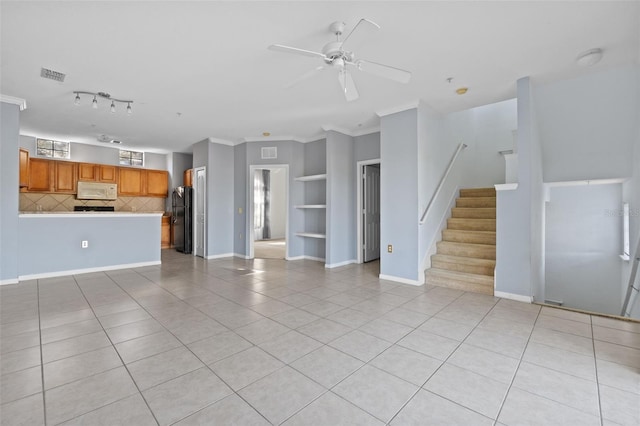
(268, 225)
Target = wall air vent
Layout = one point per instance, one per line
(52, 75)
(269, 152)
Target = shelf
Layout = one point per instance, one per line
(310, 235)
(311, 206)
(310, 178)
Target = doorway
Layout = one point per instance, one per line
(199, 211)
(368, 210)
(268, 215)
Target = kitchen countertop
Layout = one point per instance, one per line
(92, 214)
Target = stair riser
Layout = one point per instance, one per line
(476, 202)
(461, 285)
(473, 213)
(481, 252)
(470, 269)
(478, 192)
(456, 236)
(471, 224)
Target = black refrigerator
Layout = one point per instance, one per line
(182, 204)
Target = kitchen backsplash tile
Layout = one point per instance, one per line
(31, 202)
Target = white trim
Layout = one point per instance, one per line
(283, 138)
(330, 127)
(240, 255)
(220, 256)
(400, 280)
(317, 259)
(506, 186)
(586, 182)
(513, 296)
(13, 100)
(87, 270)
(313, 138)
(359, 189)
(294, 258)
(249, 236)
(399, 108)
(194, 212)
(339, 264)
(222, 141)
(367, 131)
(9, 281)
(44, 215)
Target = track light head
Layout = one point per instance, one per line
(113, 107)
(77, 99)
(94, 104)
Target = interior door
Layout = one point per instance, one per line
(371, 212)
(200, 221)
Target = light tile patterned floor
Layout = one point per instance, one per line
(236, 342)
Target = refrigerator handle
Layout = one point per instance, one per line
(173, 207)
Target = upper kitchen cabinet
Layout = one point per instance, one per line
(65, 177)
(131, 182)
(157, 183)
(97, 173)
(40, 175)
(24, 169)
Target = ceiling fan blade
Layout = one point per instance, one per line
(295, 50)
(304, 76)
(386, 71)
(363, 30)
(348, 86)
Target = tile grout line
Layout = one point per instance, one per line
(44, 399)
(595, 365)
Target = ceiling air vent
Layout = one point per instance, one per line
(52, 75)
(269, 152)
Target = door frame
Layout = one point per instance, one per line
(249, 233)
(359, 192)
(194, 211)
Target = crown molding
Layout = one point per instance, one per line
(367, 131)
(13, 100)
(399, 108)
(222, 141)
(354, 133)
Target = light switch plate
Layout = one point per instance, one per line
(390, 248)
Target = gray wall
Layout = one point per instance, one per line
(278, 203)
(177, 163)
(9, 164)
(99, 154)
(367, 147)
(341, 200)
(583, 241)
(220, 199)
(398, 195)
(240, 172)
(52, 244)
(587, 119)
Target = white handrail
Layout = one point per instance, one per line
(444, 177)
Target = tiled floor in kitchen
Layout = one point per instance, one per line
(234, 342)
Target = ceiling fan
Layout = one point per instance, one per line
(340, 55)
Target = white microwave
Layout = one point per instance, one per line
(97, 191)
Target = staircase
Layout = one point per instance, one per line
(466, 256)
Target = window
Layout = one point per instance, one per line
(131, 158)
(52, 149)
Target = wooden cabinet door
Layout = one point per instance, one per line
(131, 182)
(157, 183)
(40, 175)
(24, 169)
(188, 178)
(87, 172)
(66, 177)
(107, 174)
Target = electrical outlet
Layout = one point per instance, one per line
(85, 244)
(390, 248)
(239, 210)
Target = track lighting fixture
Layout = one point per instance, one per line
(102, 95)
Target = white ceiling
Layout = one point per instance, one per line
(209, 61)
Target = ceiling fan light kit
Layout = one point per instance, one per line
(103, 95)
(339, 55)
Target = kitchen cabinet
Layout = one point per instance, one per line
(87, 172)
(24, 169)
(40, 175)
(187, 179)
(107, 174)
(157, 183)
(65, 177)
(131, 182)
(165, 232)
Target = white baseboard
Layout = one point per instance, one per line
(512, 296)
(339, 264)
(294, 258)
(219, 256)
(241, 256)
(400, 280)
(317, 259)
(87, 270)
(9, 281)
